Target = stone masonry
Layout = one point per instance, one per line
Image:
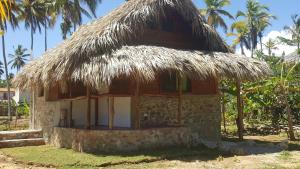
(200, 112)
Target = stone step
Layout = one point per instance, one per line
(21, 134)
(22, 142)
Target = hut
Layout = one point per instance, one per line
(144, 76)
(293, 57)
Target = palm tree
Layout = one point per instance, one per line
(19, 58)
(262, 24)
(255, 12)
(242, 38)
(49, 19)
(1, 69)
(5, 7)
(72, 13)
(214, 10)
(33, 12)
(271, 44)
(10, 14)
(294, 30)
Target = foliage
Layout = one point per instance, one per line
(213, 13)
(19, 58)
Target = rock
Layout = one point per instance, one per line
(283, 145)
(238, 151)
(210, 144)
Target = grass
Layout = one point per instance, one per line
(65, 158)
(285, 155)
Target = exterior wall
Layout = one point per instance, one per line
(46, 114)
(123, 140)
(200, 112)
(201, 120)
(4, 95)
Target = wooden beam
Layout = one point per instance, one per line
(96, 111)
(70, 115)
(88, 113)
(240, 123)
(179, 113)
(111, 116)
(137, 117)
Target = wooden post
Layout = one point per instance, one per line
(240, 123)
(111, 103)
(33, 108)
(88, 113)
(96, 111)
(137, 117)
(179, 120)
(70, 115)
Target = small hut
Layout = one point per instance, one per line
(293, 57)
(144, 76)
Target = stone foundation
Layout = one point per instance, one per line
(123, 140)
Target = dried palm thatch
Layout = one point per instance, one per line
(102, 50)
(99, 71)
(292, 58)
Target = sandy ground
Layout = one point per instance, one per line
(9, 163)
(274, 160)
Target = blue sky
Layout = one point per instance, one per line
(283, 9)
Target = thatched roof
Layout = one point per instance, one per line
(102, 50)
(293, 57)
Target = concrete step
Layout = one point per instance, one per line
(22, 142)
(21, 134)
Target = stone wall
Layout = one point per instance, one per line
(123, 140)
(46, 116)
(200, 112)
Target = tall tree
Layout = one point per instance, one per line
(254, 13)
(1, 69)
(72, 11)
(49, 19)
(240, 31)
(19, 58)
(32, 13)
(294, 30)
(214, 11)
(9, 12)
(271, 44)
(262, 24)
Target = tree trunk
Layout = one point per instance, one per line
(7, 77)
(240, 123)
(31, 46)
(288, 111)
(242, 48)
(46, 38)
(270, 51)
(261, 44)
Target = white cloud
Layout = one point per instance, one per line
(281, 47)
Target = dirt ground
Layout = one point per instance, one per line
(9, 163)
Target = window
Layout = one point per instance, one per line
(186, 84)
(170, 83)
(120, 86)
(168, 25)
(41, 92)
